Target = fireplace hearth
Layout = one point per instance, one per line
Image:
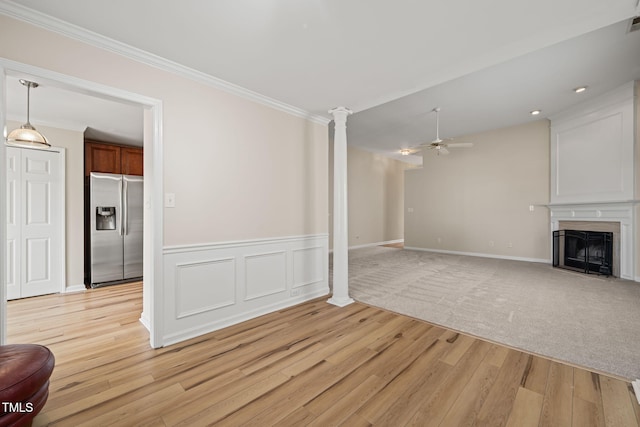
(584, 251)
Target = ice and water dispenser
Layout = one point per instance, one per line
(105, 218)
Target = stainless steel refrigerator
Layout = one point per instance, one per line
(116, 214)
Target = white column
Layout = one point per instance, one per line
(340, 295)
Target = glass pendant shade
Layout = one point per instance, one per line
(26, 134)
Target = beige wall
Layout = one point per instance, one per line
(477, 200)
(73, 142)
(375, 190)
(239, 170)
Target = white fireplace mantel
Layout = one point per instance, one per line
(622, 212)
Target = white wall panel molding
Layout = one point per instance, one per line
(211, 286)
(66, 29)
(308, 266)
(203, 286)
(265, 274)
(592, 150)
(174, 249)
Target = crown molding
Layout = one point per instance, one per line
(50, 23)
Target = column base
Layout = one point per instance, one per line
(340, 302)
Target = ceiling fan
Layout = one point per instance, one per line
(441, 145)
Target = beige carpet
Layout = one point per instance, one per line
(586, 320)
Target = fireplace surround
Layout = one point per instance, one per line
(616, 217)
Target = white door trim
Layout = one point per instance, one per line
(152, 147)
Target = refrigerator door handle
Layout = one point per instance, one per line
(120, 230)
(125, 207)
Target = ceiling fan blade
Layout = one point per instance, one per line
(441, 140)
(442, 150)
(460, 145)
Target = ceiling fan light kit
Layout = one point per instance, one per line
(27, 135)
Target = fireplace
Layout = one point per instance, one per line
(584, 251)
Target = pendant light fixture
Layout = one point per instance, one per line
(26, 134)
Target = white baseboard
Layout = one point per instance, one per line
(75, 288)
(636, 389)
(144, 319)
(368, 245)
(482, 255)
(211, 286)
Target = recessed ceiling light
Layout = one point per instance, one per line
(535, 112)
(580, 89)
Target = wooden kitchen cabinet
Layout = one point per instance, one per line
(101, 158)
(131, 161)
(112, 158)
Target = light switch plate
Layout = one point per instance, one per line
(169, 200)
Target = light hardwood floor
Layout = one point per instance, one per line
(312, 364)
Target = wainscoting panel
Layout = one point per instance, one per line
(308, 265)
(265, 274)
(204, 286)
(211, 286)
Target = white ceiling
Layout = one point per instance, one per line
(486, 63)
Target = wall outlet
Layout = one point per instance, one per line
(531, 208)
(509, 245)
(410, 210)
(439, 239)
(491, 243)
(295, 292)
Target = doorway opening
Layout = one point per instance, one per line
(152, 142)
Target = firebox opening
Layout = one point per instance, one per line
(584, 251)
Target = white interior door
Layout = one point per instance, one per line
(13, 223)
(37, 224)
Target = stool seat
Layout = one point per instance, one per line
(24, 382)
